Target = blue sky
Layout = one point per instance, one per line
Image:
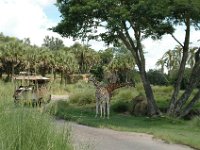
(32, 18)
(52, 13)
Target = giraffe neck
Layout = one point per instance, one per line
(113, 86)
(96, 83)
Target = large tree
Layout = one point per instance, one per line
(127, 21)
(131, 22)
(85, 56)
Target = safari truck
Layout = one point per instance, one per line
(32, 89)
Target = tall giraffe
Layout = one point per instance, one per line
(103, 95)
(102, 98)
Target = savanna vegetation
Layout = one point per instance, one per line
(23, 128)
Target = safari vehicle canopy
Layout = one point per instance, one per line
(32, 89)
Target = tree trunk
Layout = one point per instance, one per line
(137, 52)
(152, 107)
(13, 72)
(54, 75)
(189, 107)
(194, 81)
(181, 71)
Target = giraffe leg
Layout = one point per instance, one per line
(101, 107)
(108, 110)
(104, 110)
(97, 109)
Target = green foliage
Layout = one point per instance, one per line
(186, 77)
(92, 14)
(140, 88)
(195, 122)
(121, 106)
(157, 78)
(24, 128)
(53, 44)
(106, 56)
(97, 72)
(124, 94)
(82, 97)
(82, 94)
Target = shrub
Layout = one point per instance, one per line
(156, 77)
(124, 94)
(120, 106)
(82, 96)
(140, 88)
(195, 122)
(185, 81)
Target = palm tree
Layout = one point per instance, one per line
(12, 57)
(65, 63)
(121, 65)
(85, 56)
(161, 63)
(172, 59)
(191, 58)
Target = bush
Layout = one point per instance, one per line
(124, 94)
(195, 122)
(157, 78)
(185, 81)
(82, 96)
(140, 88)
(120, 106)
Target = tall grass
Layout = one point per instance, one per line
(81, 93)
(23, 128)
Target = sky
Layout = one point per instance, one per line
(32, 18)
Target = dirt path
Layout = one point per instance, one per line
(89, 138)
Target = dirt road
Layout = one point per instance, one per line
(89, 138)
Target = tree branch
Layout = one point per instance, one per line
(177, 40)
(191, 104)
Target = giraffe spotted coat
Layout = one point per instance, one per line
(103, 95)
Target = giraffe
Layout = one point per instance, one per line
(103, 95)
(102, 98)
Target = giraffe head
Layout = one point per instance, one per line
(95, 82)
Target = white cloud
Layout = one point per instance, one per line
(26, 18)
(156, 49)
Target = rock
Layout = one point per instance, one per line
(139, 106)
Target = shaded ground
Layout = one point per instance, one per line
(89, 138)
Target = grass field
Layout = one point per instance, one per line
(169, 129)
